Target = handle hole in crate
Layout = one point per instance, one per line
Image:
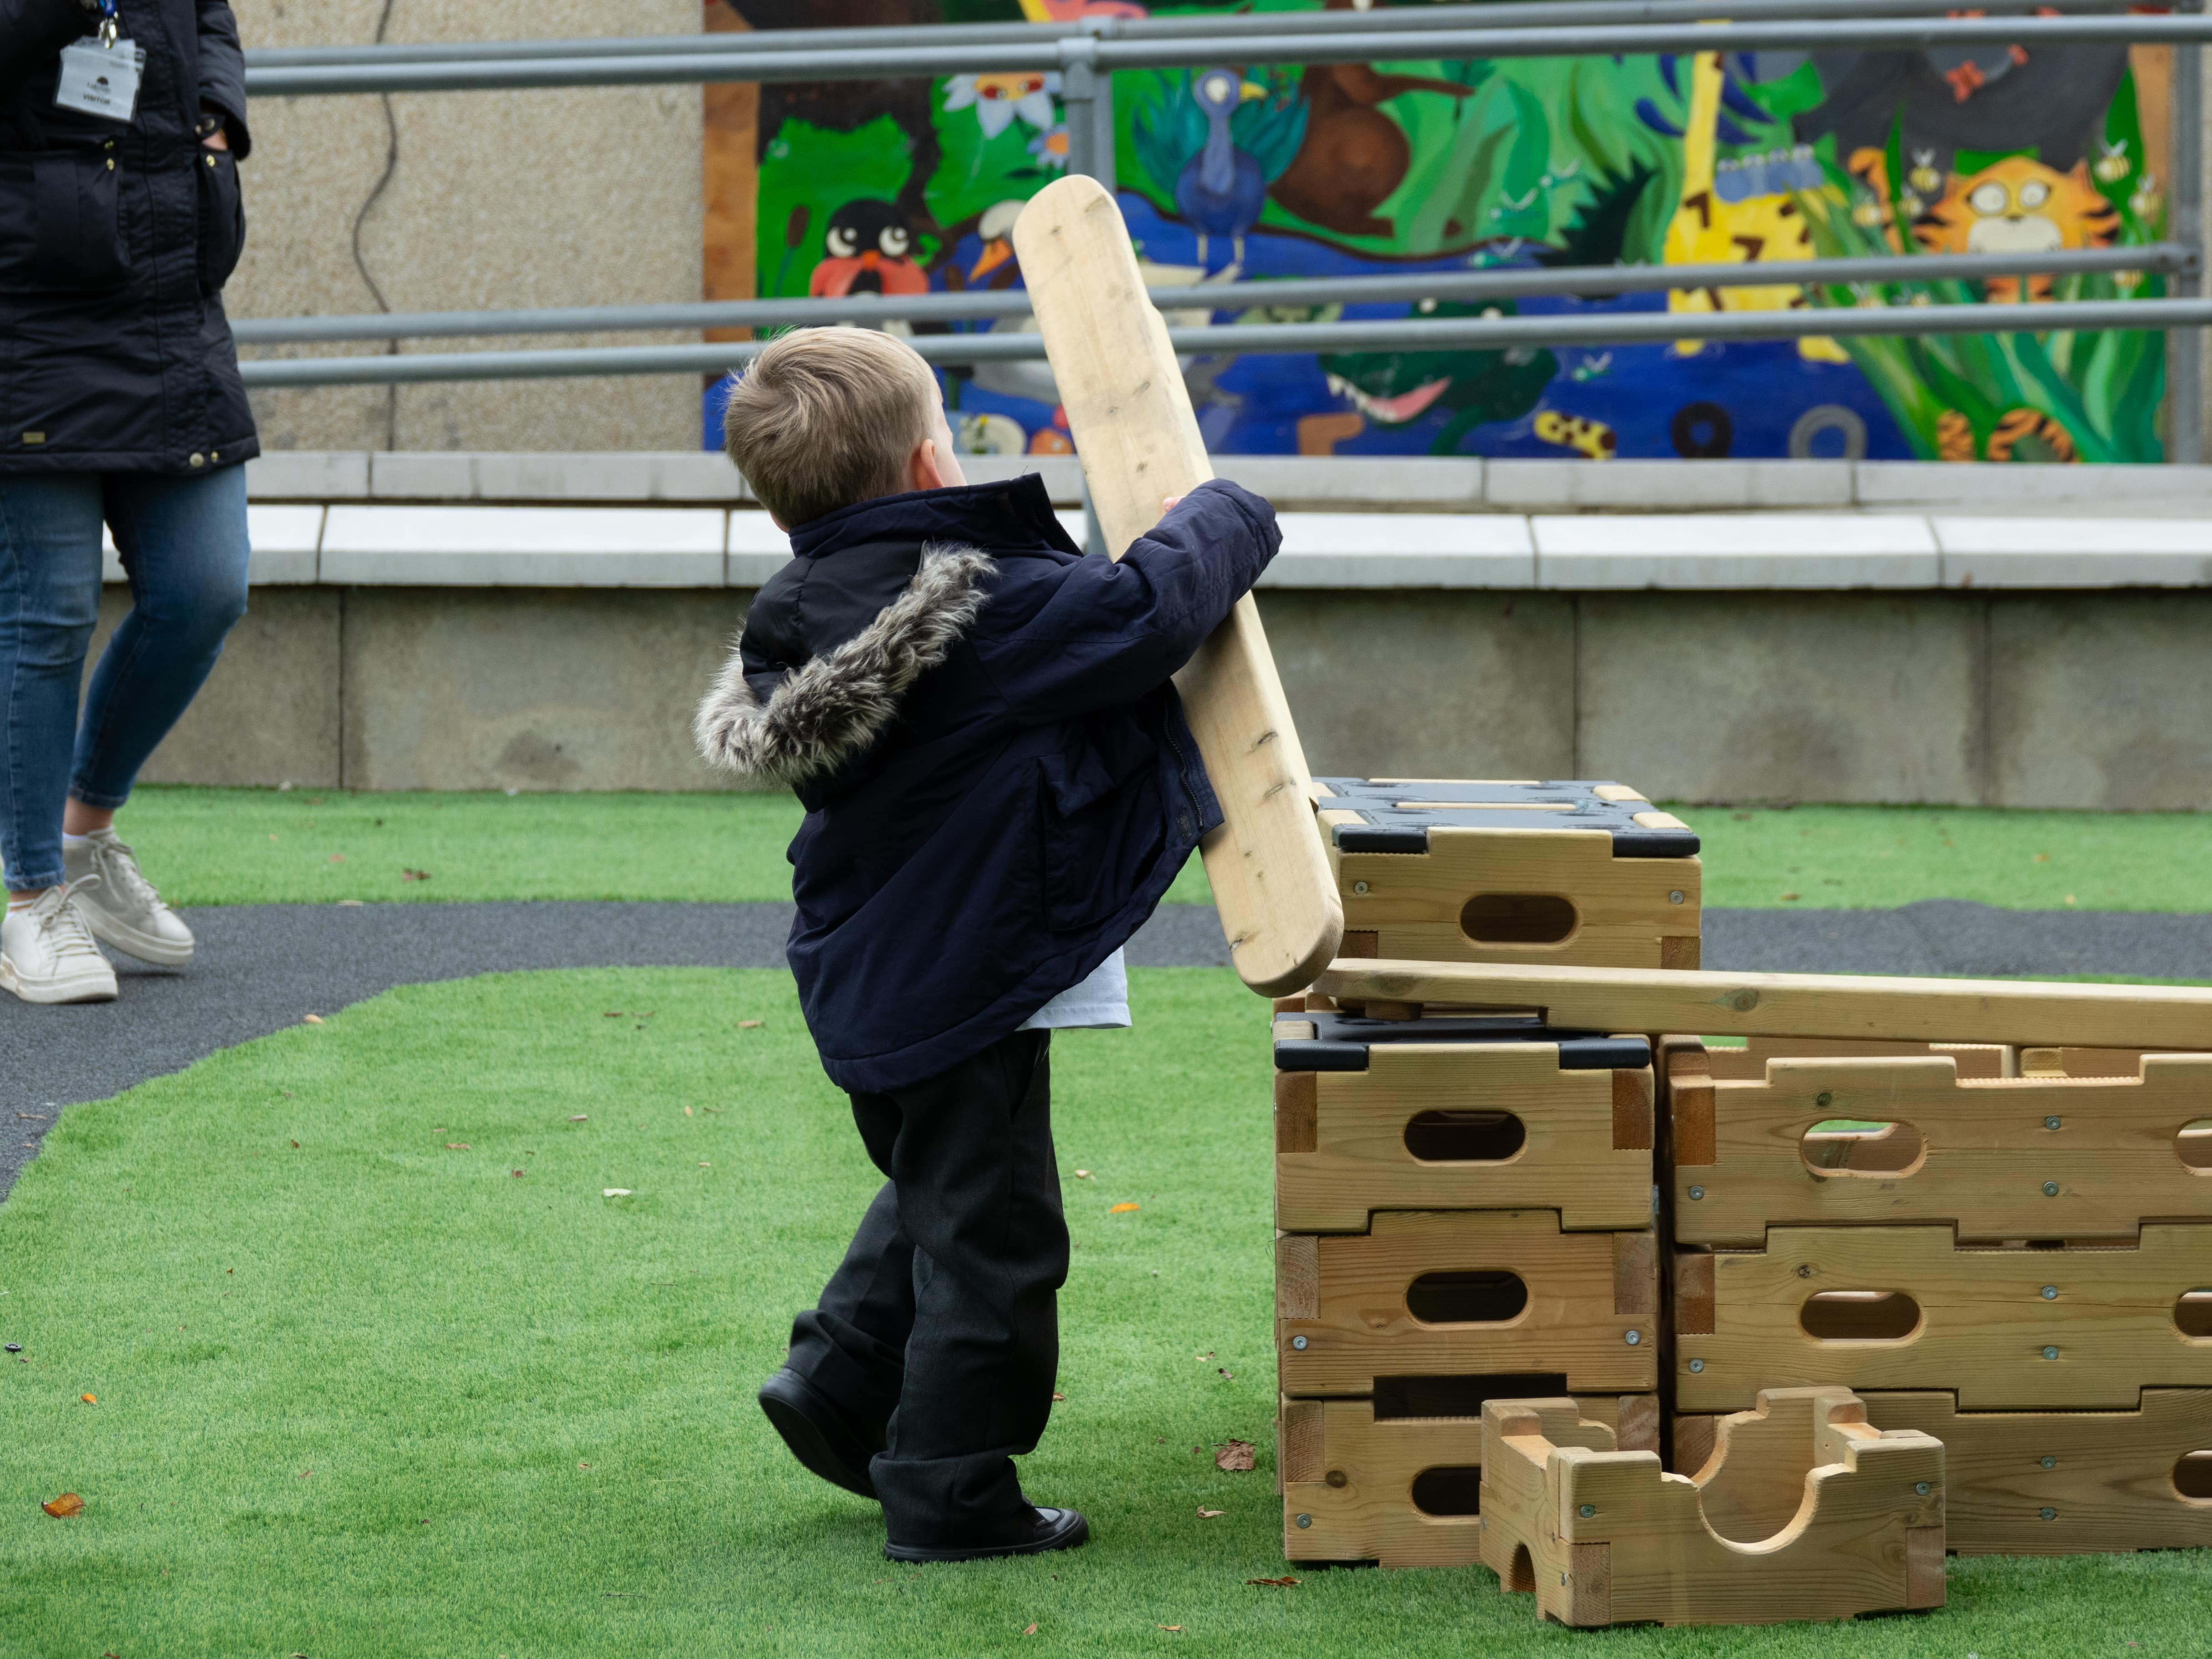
(2192, 1312)
(1449, 1490)
(1465, 1136)
(1467, 1298)
(1517, 918)
(2194, 1143)
(1860, 1317)
(1846, 1146)
(2192, 1476)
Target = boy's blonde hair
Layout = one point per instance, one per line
(828, 417)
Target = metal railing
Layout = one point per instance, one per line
(1086, 56)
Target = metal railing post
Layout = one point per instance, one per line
(2185, 226)
(1079, 93)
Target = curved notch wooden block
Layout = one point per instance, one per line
(1131, 418)
(1803, 1512)
(1977, 1156)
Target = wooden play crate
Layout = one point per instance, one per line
(1438, 1114)
(2052, 1483)
(1589, 874)
(1396, 1479)
(1834, 1139)
(1467, 1293)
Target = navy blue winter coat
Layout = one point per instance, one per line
(115, 242)
(999, 780)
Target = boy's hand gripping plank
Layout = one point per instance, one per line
(1132, 425)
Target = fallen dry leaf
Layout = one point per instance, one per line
(1234, 1455)
(304, 1474)
(687, 1111)
(581, 1117)
(311, 1020)
(90, 1399)
(1170, 1626)
(615, 1192)
(1080, 1175)
(583, 1465)
(514, 1172)
(1226, 1376)
(337, 858)
(1787, 897)
(1209, 1354)
(1123, 1209)
(62, 1508)
(459, 1146)
(750, 1024)
(1030, 1631)
(414, 875)
(1272, 1583)
(1204, 1514)
(295, 1146)
(1057, 1394)
(612, 1013)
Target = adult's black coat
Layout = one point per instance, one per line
(115, 241)
(979, 720)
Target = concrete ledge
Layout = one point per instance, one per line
(523, 547)
(1830, 550)
(286, 543)
(1402, 550)
(2076, 552)
(1666, 486)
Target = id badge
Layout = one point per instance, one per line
(101, 81)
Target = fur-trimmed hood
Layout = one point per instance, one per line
(833, 708)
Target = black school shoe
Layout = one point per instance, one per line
(817, 1431)
(1049, 1529)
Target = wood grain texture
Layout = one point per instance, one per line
(1625, 916)
(1356, 1160)
(1975, 1059)
(1360, 1326)
(1131, 418)
(1979, 1156)
(1352, 1479)
(2162, 1017)
(1984, 1326)
(1827, 1518)
(2109, 1486)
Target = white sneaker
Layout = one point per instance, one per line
(47, 952)
(121, 906)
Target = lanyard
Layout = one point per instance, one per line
(110, 23)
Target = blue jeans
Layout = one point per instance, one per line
(184, 545)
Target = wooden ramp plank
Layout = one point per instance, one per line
(2162, 1017)
(1132, 425)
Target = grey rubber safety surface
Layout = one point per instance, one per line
(261, 967)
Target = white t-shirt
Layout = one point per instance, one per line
(1100, 1001)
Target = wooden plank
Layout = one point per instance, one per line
(1356, 1488)
(2110, 1324)
(2055, 1483)
(1975, 1059)
(2162, 1017)
(1132, 425)
(1560, 1133)
(1804, 1512)
(1350, 1317)
(2033, 1157)
(1627, 912)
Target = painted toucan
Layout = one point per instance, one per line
(869, 249)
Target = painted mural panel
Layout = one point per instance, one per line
(1250, 170)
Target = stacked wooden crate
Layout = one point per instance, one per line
(2010, 1249)
(1465, 1207)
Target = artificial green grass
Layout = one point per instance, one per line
(261, 847)
(371, 1394)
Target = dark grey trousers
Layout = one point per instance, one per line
(939, 1335)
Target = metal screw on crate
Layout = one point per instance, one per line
(1588, 1510)
(1696, 1365)
(2049, 1462)
(1299, 1343)
(1697, 1192)
(1823, 1098)
(1358, 886)
(1923, 1487)
(2051, 1189)
(1305, 1520)
(1633, 1338)
(1674, 897)
(2050, 1293)
(2049, 1514)
(2050, 1354)
(2051, 1123)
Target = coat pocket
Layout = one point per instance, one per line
(222, 218)
(1103, 828)
(78, 243)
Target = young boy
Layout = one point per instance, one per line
(999, 786)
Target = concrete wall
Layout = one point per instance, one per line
(558, 198)
(2098, 700)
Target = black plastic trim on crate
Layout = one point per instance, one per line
(1387, 827)
(1340, 1041)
